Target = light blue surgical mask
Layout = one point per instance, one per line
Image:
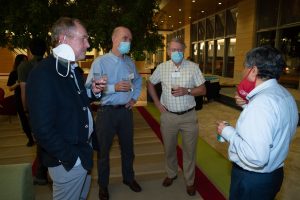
(177, 56)
(124, 47)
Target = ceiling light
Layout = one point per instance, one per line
(190, 17)
(220, 3)
(179, 9)
(179, 22)
(194, 1)
(170, 16)
(162, 21)
(202, 11)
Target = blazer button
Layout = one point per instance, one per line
(86, 126)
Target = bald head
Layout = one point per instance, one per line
(118, 30)
(120, 34)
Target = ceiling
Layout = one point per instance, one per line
(175, 14)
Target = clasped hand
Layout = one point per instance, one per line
(123, 86)
(180, 91)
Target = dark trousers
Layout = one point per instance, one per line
(111, 121)
(246, 185)
(24, 119)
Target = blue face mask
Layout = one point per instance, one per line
(177, 56)
(124, 47)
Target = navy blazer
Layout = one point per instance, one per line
(58, 115)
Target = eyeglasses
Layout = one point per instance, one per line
(173, 50)
(82, 38)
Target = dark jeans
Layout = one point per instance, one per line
(111, 121)
(246, 185)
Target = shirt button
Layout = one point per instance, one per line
(78, 92)
(84, 108)
(86, 126)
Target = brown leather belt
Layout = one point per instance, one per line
(182, 112)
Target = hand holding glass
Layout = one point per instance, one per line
(174, 84)
(128, 81)
(100, 80)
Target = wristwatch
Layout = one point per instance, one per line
(189, 91)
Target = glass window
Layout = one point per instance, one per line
(201, 30)
(210, 27)
(219, 57)
(231, 16)
(267, 13)
(290, 12)
(201, 55)
(195, 52)
(220, 23)
(266, 38)
(289, 44)
(194, 33)
(229, 67)
(210, 57)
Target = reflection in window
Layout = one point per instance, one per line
(220, 23)
(289, 44)
(219, 57)
(229, 68)
(210, 57)
(266, 38)
(290, 11)
(194, 33)
(231, 21)
(195, 52)
(201, 51)
(201, 30)
(267, 13)
(210, 24)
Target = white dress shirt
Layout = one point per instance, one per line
(264, 130)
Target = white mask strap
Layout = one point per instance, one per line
(68, 70)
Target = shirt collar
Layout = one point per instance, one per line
(261, 87)
(180, 66)
(114, 57)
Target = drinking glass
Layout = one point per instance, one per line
(128, 81)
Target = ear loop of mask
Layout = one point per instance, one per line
(57, 68)
(64, 39)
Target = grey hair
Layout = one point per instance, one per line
(178, 40)
(268, 60)
(63, 25)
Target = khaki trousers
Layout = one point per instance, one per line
(187, 125)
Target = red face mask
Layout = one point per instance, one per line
(245, 86)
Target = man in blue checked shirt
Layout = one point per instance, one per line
(114, 116)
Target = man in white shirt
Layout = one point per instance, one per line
(260, 142)
(181, 80)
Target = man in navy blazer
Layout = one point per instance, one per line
(59, 111)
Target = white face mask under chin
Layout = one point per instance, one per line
(65, 53)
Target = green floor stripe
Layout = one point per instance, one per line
(212, 163)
